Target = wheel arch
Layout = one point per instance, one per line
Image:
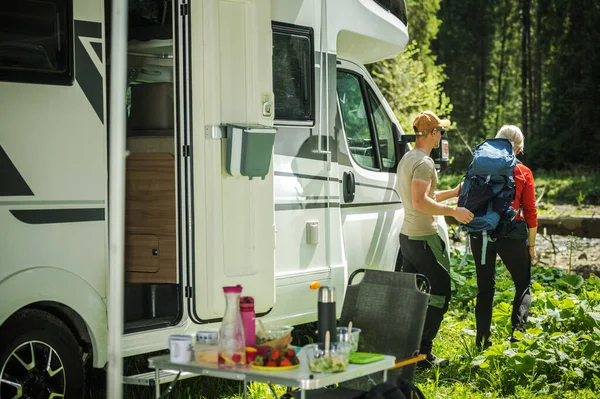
(64, 295)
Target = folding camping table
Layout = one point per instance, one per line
(301, 378)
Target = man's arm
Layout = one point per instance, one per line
(445, 194)
(423, 203)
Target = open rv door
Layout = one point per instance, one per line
(232, 240)
(368, 156)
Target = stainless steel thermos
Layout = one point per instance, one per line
(326, 320)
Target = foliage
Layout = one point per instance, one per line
(412, 82)
(558, 357)
(528, 63)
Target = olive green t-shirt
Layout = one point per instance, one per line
(416, 164)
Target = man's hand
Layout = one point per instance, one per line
(458, 188)
(532, 254)
(463, 215)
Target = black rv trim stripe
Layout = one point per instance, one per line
(305, 205)
(379, 187)
(321, 205)
(51, 216)
(369, 204)
(303, 176)
(98, 49)
(12, 183)
(86, 73)
(325, 178)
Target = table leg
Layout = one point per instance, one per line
(385, 375)
(157, 383)
(245, 389)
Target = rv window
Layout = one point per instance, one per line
(385, 134)
(293, 73)
(36, 41)
(355, 119)
(396, 7)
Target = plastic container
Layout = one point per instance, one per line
(180, 348)
(248, 320)
(271, 333)
(333, 361)
(206, 348)
(232, 343)
(352, 338)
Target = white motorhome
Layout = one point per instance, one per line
(214, 196)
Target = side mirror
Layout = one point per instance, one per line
(441, 156)
(403, 140)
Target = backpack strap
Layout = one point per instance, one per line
(484, 237)
(520, 202)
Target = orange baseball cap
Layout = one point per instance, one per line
(426, 121)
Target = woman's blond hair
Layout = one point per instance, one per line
(513, 134)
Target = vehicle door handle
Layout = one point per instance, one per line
(349, 187)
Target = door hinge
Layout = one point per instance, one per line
(184, 9)
(188, 292)
(186, 150)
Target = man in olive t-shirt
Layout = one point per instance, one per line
(422, 248)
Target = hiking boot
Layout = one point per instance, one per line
(520, 329)
(431, 361)
(483, 345)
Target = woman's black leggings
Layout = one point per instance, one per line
(515, 255)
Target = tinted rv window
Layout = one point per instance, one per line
(385, 133)
(293, 73)
(35, 41)
(355, 119)
(396, 7)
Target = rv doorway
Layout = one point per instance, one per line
(152, 286)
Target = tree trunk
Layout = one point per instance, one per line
(500, 99)
(525, 6)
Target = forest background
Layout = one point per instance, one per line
(486, 63)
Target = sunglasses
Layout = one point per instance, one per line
(441, 130)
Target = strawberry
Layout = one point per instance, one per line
(236, 357)
(290, 353)
(271, 363)
(285, 362)
(274, 355)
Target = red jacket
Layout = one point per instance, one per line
(525, 196)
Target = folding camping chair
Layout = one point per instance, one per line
(390, 309)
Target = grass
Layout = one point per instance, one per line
(559, 357)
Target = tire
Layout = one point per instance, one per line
(34, 347)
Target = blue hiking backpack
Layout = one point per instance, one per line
(489, 187)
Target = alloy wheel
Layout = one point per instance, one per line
(33, 370)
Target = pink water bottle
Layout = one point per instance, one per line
(248, 316)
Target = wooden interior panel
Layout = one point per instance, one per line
(150, 210)
(141, 253)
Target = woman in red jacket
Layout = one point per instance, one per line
(517, 254)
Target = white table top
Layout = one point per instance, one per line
(301, 377)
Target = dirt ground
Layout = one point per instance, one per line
(582, 254)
